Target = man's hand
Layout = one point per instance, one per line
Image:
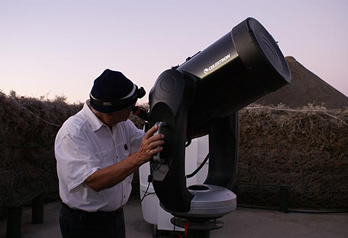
(150, 145)
(113, 174)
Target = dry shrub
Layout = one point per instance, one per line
(306, 149)
(27, 132)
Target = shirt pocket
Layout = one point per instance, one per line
(123, 152)
(106, 157)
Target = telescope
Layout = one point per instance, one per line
(202, 97)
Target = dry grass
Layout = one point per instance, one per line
(306, 149)
(27, 132)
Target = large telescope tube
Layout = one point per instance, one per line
(233, 72)
(203, 96)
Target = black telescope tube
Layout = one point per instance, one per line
(233, 72)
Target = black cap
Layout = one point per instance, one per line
(112, 92)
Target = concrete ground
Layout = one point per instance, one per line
(241, 223)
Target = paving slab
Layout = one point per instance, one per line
(241, 223)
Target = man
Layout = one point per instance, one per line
(97, 150)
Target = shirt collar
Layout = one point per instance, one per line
(94, 121)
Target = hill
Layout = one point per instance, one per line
(305, 88)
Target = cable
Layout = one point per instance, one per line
(199, 167)
(294, 110)
(49, 123)
(26, 146)
(304, 211)
(317, 211)
(188, 142)
(186, 227)
(146, 193)
(149, 179)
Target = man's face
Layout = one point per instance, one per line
(116, 117)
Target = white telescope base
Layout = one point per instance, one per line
(209, 201)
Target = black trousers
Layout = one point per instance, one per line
(77, 223)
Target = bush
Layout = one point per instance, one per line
(306, 149)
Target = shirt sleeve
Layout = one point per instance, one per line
(75, 163)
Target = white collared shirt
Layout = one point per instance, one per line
(83, 145)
